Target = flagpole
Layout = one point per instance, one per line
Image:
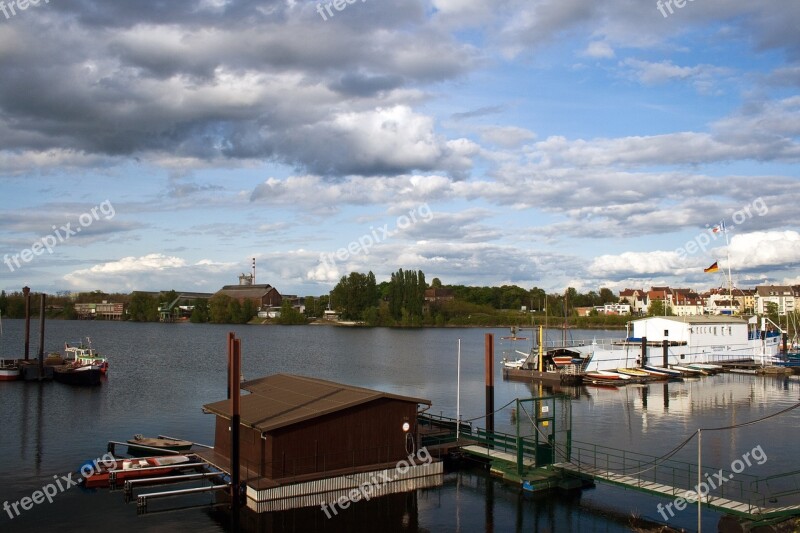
(730, 278)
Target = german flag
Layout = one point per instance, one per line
(713, 268)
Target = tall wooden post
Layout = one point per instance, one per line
(235, 358)
(26, 292)
(644, 351)
(489, 361)
(41, 337)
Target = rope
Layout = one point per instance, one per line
(493, 412)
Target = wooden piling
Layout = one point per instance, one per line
(644, 351)
(26, 291)
(41, 337)
(489, 361)
(235, 349)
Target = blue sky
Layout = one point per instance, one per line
(541, 143)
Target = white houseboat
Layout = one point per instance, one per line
(690, 340)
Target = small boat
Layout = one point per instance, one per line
(135, 468)
(9, 370)
(635, 372)
(562, 360)
(605, 374)
(161, 443)
(742, 371)
(84, 354)
(690, 371)
(663, 370)
(77, 375)
(709, 369)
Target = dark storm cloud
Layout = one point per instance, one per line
(212, 80)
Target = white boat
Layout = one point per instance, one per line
(9, 370)
(690, 340)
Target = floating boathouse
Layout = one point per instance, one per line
(305, 441)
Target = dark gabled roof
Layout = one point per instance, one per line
(282, 400)
(246, 291)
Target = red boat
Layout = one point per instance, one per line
(135, 468)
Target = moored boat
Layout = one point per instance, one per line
(604, 374)
(84, 354)
(9, 371)
(690, 371)
(635, 372)
(662, 370)
(135, 468)
(146, 445)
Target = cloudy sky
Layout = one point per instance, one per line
(546, 143)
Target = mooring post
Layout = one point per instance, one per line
(41, 337)
(235, 421)
(644, 351)
(665, 349)
(231, 337)
(489, 360)
(26, 291)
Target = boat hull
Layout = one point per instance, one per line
(9, 374)
(81, 376)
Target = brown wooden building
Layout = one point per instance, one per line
(262, 296)
(301, 426)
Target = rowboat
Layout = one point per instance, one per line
(146, 445)
(100, 474)
(562, 360)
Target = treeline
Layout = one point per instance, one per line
(401, 302)
(398, 302)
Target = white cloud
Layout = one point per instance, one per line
(765, 250)
(599, 50)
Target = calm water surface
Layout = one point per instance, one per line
(162, 374)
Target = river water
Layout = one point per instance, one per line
(161, 374)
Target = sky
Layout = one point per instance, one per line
(155, 145)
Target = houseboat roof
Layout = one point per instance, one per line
(700, 319)
(282, 400)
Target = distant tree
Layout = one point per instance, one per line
(290, 315)
(248, 311)
(219, 309)
(656, 308)
(607, 296)
(200, 311)
(3, 303)
(354, 294)
(143, 308)
(69, 311)
(436, 283)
